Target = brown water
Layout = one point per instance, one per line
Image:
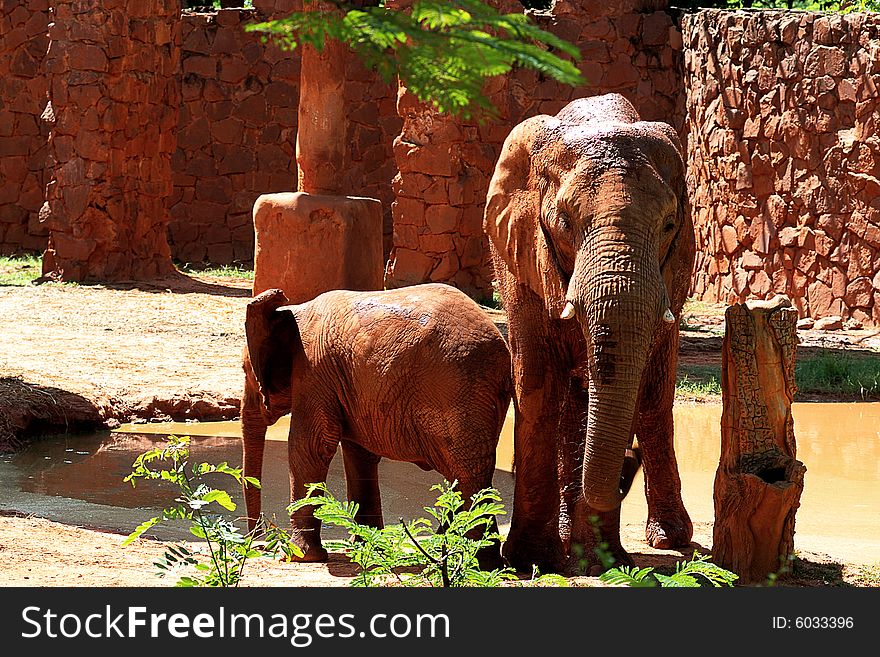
(80, 479)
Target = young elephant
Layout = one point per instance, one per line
(417, 374)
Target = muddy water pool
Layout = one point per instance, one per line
(78, 479)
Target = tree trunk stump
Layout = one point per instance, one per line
(759, 481)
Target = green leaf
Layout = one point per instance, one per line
(140, 529)
(625, 576)
(221, 497)
(679, 580)
(442, 51)
(187, 582)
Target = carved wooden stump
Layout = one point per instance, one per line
(307, 244)
(759, 482)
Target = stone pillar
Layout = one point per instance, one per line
(320, 142)
(307, 244)
(114, 101)
(318, 239)
(759, 481)
(445, 164)
(23, 43)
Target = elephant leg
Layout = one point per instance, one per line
(362, 483)
(311, 447)
(569, 465)
(596, 544)
(253, 442)
(668, 523)
(534, 538)
(489, 557)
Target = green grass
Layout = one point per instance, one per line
(839, 374)
(705, 308)
(698, 383)
(217, 271)
(19, 271)
(868, 576)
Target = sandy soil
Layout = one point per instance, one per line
(169, 349)
(38, 552)
(76, 356)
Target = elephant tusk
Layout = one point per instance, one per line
(668, 317)
(568, 311)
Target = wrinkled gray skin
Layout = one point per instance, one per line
(418, 374)
(587, 219)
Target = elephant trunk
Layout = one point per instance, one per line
(619, 297)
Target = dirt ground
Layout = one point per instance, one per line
(79, 356)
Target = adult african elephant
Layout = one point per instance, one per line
(592, 245)
(418, 374)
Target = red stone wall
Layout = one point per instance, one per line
(23, 44)
(784, 159)
(114, 101)
(237, 134)
(631, 47)
(373, 124)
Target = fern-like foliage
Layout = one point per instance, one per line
(629, 576)
(442, 51)
(699, 571)
(431, 551)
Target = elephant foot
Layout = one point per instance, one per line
(587, 560)
(311, 555)
(522, 555)
(669, 531)
(489, 558)
(313, 551)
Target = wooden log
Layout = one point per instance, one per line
(759, 481)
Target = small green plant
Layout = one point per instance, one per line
(217, 271)
(417, 553)
(685, 576)
(868, 576)
(227, 548)
(19, 271)
(786, 566)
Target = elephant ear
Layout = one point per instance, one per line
(271, 339)
(669, 163)
(512, 216)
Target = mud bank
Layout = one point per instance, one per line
(28, 410)
(77, 357)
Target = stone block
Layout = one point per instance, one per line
(308, 244)
(408, 267)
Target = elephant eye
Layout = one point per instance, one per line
(669, 225)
